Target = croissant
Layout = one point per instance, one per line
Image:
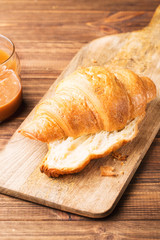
(93, 112)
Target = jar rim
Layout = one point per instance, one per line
(13, 48)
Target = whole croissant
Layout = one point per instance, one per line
(94, 111)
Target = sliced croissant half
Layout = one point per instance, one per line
(94, 111)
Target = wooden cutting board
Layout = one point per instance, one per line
(87, 193)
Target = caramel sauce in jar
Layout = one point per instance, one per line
(10, 83)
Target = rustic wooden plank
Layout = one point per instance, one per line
(13, 209)
(141, 200)
(10, 126)
(81, 5)
(22, 188)
(133, 206)
(83, 230)
(69, 28)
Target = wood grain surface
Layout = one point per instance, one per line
(44, 44)
(82, 193)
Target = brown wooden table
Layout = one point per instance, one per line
(47, 34)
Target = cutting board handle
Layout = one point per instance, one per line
(155, 21)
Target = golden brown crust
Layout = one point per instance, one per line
(150, 88)
(43, 129)
(112, 96)
(90, 100)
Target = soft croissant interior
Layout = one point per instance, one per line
(73, 154)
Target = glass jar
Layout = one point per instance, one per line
(10, 83)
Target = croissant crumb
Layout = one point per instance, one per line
(119, 156)
(108, 171)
